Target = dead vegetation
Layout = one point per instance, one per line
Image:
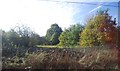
(67, 58)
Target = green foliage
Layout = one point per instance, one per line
(20, 36)
(70, 36)
(10, 38)
(43, 41)
(34, 39)
(53, 33)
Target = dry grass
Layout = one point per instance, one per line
(79, 58)
(92, 59)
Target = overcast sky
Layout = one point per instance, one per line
(39, 15)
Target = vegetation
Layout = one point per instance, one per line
(100, 30)
(70, 37)
(53, 34)
(67, 58)
(25, 49)
(21, 36)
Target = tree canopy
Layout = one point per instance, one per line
(70, 36)
(20, 36)
(53, 34)
(99, 30)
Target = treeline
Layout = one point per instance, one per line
(20, 36)
(99, 30)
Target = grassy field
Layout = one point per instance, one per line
(65, 58)
(47, 46)
(55, 46)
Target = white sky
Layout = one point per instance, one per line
(38, 15)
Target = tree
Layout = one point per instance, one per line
(34, 39)
(4, 38)
(12, 37)
(43, 41)
(53, 33)
(99, 30)
(108, 30)
(21, 36)
(70, 36)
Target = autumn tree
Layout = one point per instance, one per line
(99, 30)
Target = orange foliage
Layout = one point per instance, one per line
(108, 31)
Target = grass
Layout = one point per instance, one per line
(67, 58)
(47, 46)
(55, 46)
